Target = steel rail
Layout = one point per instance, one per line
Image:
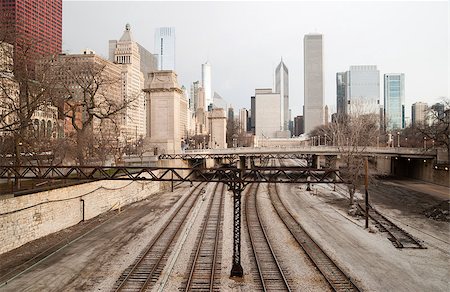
(337, 279)
(254, 226)
(157, 237)
(202, 243)
(399, 237)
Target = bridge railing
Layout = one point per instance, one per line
(319, 150)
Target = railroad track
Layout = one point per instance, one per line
(271, 275)
(204, 269)
(399, 237)
(335, 276)
(148, 266)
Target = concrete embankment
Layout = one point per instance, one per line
(29, 217)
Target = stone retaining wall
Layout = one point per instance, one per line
(29, 217)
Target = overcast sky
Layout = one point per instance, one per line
(244, 41)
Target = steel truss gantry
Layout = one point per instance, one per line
(235, 178)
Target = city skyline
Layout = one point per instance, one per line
(243, 56)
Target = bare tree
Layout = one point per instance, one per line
(88, 96)
(22, 93)
(351, 135)
(438, 128)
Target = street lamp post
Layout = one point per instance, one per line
(425, 143)
(398, 139)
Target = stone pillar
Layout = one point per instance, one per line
(217, 128)
(164, 98)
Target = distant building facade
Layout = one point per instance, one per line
(206, 84)
(394, 101)
(363, 90)
(298, 126)
(313, 81)
(135, 63)
(267, 113)
(341, 93)
(243, 120)
(165, 47)
(194, 96)
(109, 79)
(34, 27)
(219, 102)
(282, 87)
(419, 113)
(252, 114)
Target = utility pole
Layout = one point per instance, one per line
(366, 183)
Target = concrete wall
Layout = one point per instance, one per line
(29, 217)
(421, 169)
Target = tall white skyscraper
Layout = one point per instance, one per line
(282, 87)
(394, 101)
(165, 47)
(313, 74)
(206, 84)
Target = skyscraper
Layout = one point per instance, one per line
(419, 113)
(165, 47)
(32, 25)
(313, 76)
(341, 93)
(394, 101)
(135, 63)
(363, 90)
(194, 96)
(267, 113)
(243, 118)
(206, 84)
(282, 87)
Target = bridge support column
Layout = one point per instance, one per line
(237, 187)
(315, 161)
(242, 162)
(331, 162)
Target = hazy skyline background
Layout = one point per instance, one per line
(244, 41)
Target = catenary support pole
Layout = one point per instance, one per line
(236, 269)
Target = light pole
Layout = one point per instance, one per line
(406, 141)
(425, 143)
(398, 139)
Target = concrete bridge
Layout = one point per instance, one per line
(418, 163)
(322, 150)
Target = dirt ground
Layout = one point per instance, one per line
(368, 255)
